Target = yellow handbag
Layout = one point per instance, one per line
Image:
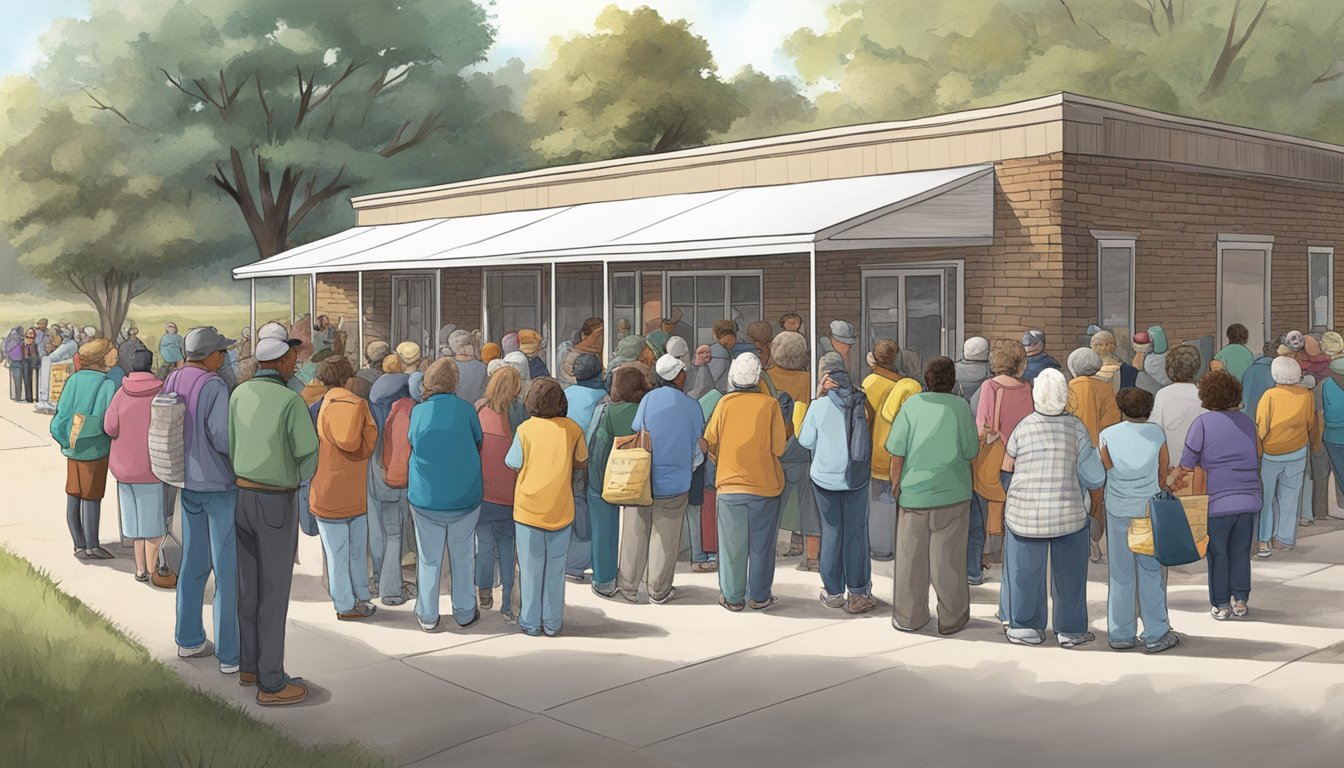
(628, 481)
(1140, 535)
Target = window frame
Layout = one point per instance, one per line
(727, 275)
(486, 274)
(1328, 251)
(1123, 241)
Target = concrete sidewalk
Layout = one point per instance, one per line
(690, 684)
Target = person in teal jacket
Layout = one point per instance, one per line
(1257, 380)
(78, 429)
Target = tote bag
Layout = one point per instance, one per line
(1175, 532)
(629, 478)
(985, 468)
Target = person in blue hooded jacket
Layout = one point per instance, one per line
(583, 396)
(1037, 360)
(1258, 379)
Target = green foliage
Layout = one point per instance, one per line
(773, 106)
(638, 84)
(1264, 63)
(70, 683)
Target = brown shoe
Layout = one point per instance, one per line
(361, 611)
(247, 679)
(293, 693)
(860, 604)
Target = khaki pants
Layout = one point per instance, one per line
(931, 547)
(650, 541)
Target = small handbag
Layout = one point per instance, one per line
(629, 478)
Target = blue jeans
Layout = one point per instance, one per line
(747, 531)
(307, 521)
(495, 546)
(844, 541)
(434, 530)
(345, 543)
(1230, 558)
(605, 520)
(541, 571)
(1131, 574)
(693, 533)
(1336, 453)
(881, 520)
(209, 542)
(1024, 566)
(386, 506)
(580, 556)
(975, 540)
(1281, 479)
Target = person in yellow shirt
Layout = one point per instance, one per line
(886, 390)
(745, 437)
(1287, 424)
(547, 449)
(1092, 400)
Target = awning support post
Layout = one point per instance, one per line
(812, 312)
(438, 313)
(606, 312)
(291, 299)
(252, 315)
(359, 310)
(550, 335)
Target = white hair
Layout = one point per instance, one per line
(519, 360)
(1286, 370)
(745, 371)
(1050, 392)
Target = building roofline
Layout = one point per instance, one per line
(1072, 108)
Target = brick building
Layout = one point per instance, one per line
(1053, 213)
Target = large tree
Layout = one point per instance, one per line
(773, 106)
(638, 84)
(1266, 63)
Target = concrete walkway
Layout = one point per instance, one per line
(691, 684)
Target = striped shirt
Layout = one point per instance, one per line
(1054, 462)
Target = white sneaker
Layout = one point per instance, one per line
(228, 669)
(196, 652)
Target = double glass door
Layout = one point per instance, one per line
(914, 308)
(413, 311)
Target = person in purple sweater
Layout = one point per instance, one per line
(1223, 442)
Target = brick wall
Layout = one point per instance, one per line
(1179, 213)
(461, 295)
(338, 297)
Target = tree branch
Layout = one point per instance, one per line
(314, 199)
(1232, 49)
(102, 107)
(1069, 11)
(265, 108)
(350, 69)
(429, 125)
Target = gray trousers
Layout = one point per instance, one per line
(267, 525)
(650, 541)
(1318, 464)
(931, 548)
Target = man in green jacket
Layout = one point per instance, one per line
(79, 415)
(273, 447)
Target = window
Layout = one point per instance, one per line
(698, 299)
(917, 306)
(1321, 287)
(577, 298)
(512, 302)
(625, 303)
(1115, 282)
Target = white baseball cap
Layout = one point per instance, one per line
(273, 331)
(669, 367)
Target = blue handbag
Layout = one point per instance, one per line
(1173, 542)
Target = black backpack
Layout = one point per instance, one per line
(860, 439)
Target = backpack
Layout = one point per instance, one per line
(167, 433)
(860, 439)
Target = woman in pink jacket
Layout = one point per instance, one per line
(139, 492)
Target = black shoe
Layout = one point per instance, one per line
(475, 617)
(98, 553)
(82, 554)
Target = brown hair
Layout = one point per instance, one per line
(1183, 364)
(441, 378)
(393, 364)
(1237, 333)
(628, 385)
(885, 352)
(941, 374)
(1135, 403)
(546, 399)
(335, 371)
(1219, 391)
(589, 325)
(503, 389)
(1007, 358)
(723, 328)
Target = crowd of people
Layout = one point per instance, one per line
(481, 455)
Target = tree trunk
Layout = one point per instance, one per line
(110, 294)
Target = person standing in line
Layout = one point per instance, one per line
(1258, 379)
(471, 375)
(78, 429)
(547, 449)
(582, 398)
(1223, 443)
(140, 494)
(209, 495)
(445, 432)
(1236, 357)
(610, 421)
(839, 483)
(746, 437)
(721, 352)
(387, 505)
(1049, 467)
(674, 423)
(529, 343)
(1092, 400)
(273, 446)
(1177, 405)
(590, 343)
(14, 362)
(1135, 455)
(786, 373)
(931, 445)
(30, 362)
(1288, 428)
(171, 352)
(495, 547)
(1033, 342)
(886, 390)
(338, 498)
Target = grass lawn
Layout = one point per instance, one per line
(75, 691)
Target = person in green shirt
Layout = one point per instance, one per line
(273, 447)
(1236, 357)
(78, 429)
(931, 443)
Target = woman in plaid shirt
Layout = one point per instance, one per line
(1049, 468)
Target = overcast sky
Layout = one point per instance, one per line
(740, 32)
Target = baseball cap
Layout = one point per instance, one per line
(1033, 337)
(275, 331)
(202, 342)
(669, 367)
(843, 332)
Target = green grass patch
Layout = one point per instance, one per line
(75, 691)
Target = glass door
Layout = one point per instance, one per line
(1242, 282)
(413, 311)
(912, 307)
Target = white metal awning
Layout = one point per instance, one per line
(901, 210)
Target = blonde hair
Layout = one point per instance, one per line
(504, 387)
(393, 364)
(440, 379)
(94, 354)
